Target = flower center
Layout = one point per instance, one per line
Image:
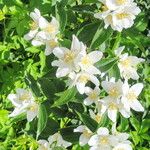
(86, 61)
(93, 95)
(114, 92)
(50, 28)
(122, 16)
(52, 43)
(83, 78)
(43, 147)
(98, 118)
(104, 8)
(125, 63)
(104, 140)
(25, 96)
(131, 96)
(109, 18)
(33, 25)
(86, 133)
(32, 108)
(120, 2)
(112, 106)
(69, 57)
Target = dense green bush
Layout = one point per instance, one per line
(23, 65)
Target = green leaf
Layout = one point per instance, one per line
(48, 87)
(32, 83)
(52, 126)
(65, 97)
(135, 137)
(42, 119)
(124, 125)
(61, 15)
(84, 9)
(105, 64)
(69, 135)
(86, 33)
(135, 123)
(101, 36)
(88, 121)
(145, 126)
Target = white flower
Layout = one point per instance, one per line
(112, 102)
(128, 64)
(122, 146)
(102, 140)
(43, 145)
(68, 59)
(114, 89)
(93, 95)
(119, 14)
(112, 107)
(21, 97)
(88, 61)
(56, 140)
(36, 16)
(50, 45)
(81, 79)
(49, 30)
(85, 136)
(130, 95)
(97, 117)
(24, 103)
(114, 4)
(123, 142)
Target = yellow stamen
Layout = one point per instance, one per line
(104, 8)
(112, 106)
(131, 96)
(86, 61)
(86, 133)
(126, 63)
(32, 108)
(120, 2)
(98, 118)
(69, 57)
(114, 92)
(104, 140)
(93, 95)
(53, 43)
(122, 16)
(50, 28)
(25, 96)
(33, 25)
(83, 78)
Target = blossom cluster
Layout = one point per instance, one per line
(118, 14)
(54, 140)
(79, 66)
(103, 139)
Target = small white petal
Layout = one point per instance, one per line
(135, 105)
(103, 131)
(137, 88)
(95, 56)
(61, 72)
(112, 114)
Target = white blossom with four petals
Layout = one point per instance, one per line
(102, 140)
(56, 140)
(119, 14)
(128, 64)
(68, 60)
(85, 136)
(92, 95)
(130, 95)
(24, 102)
